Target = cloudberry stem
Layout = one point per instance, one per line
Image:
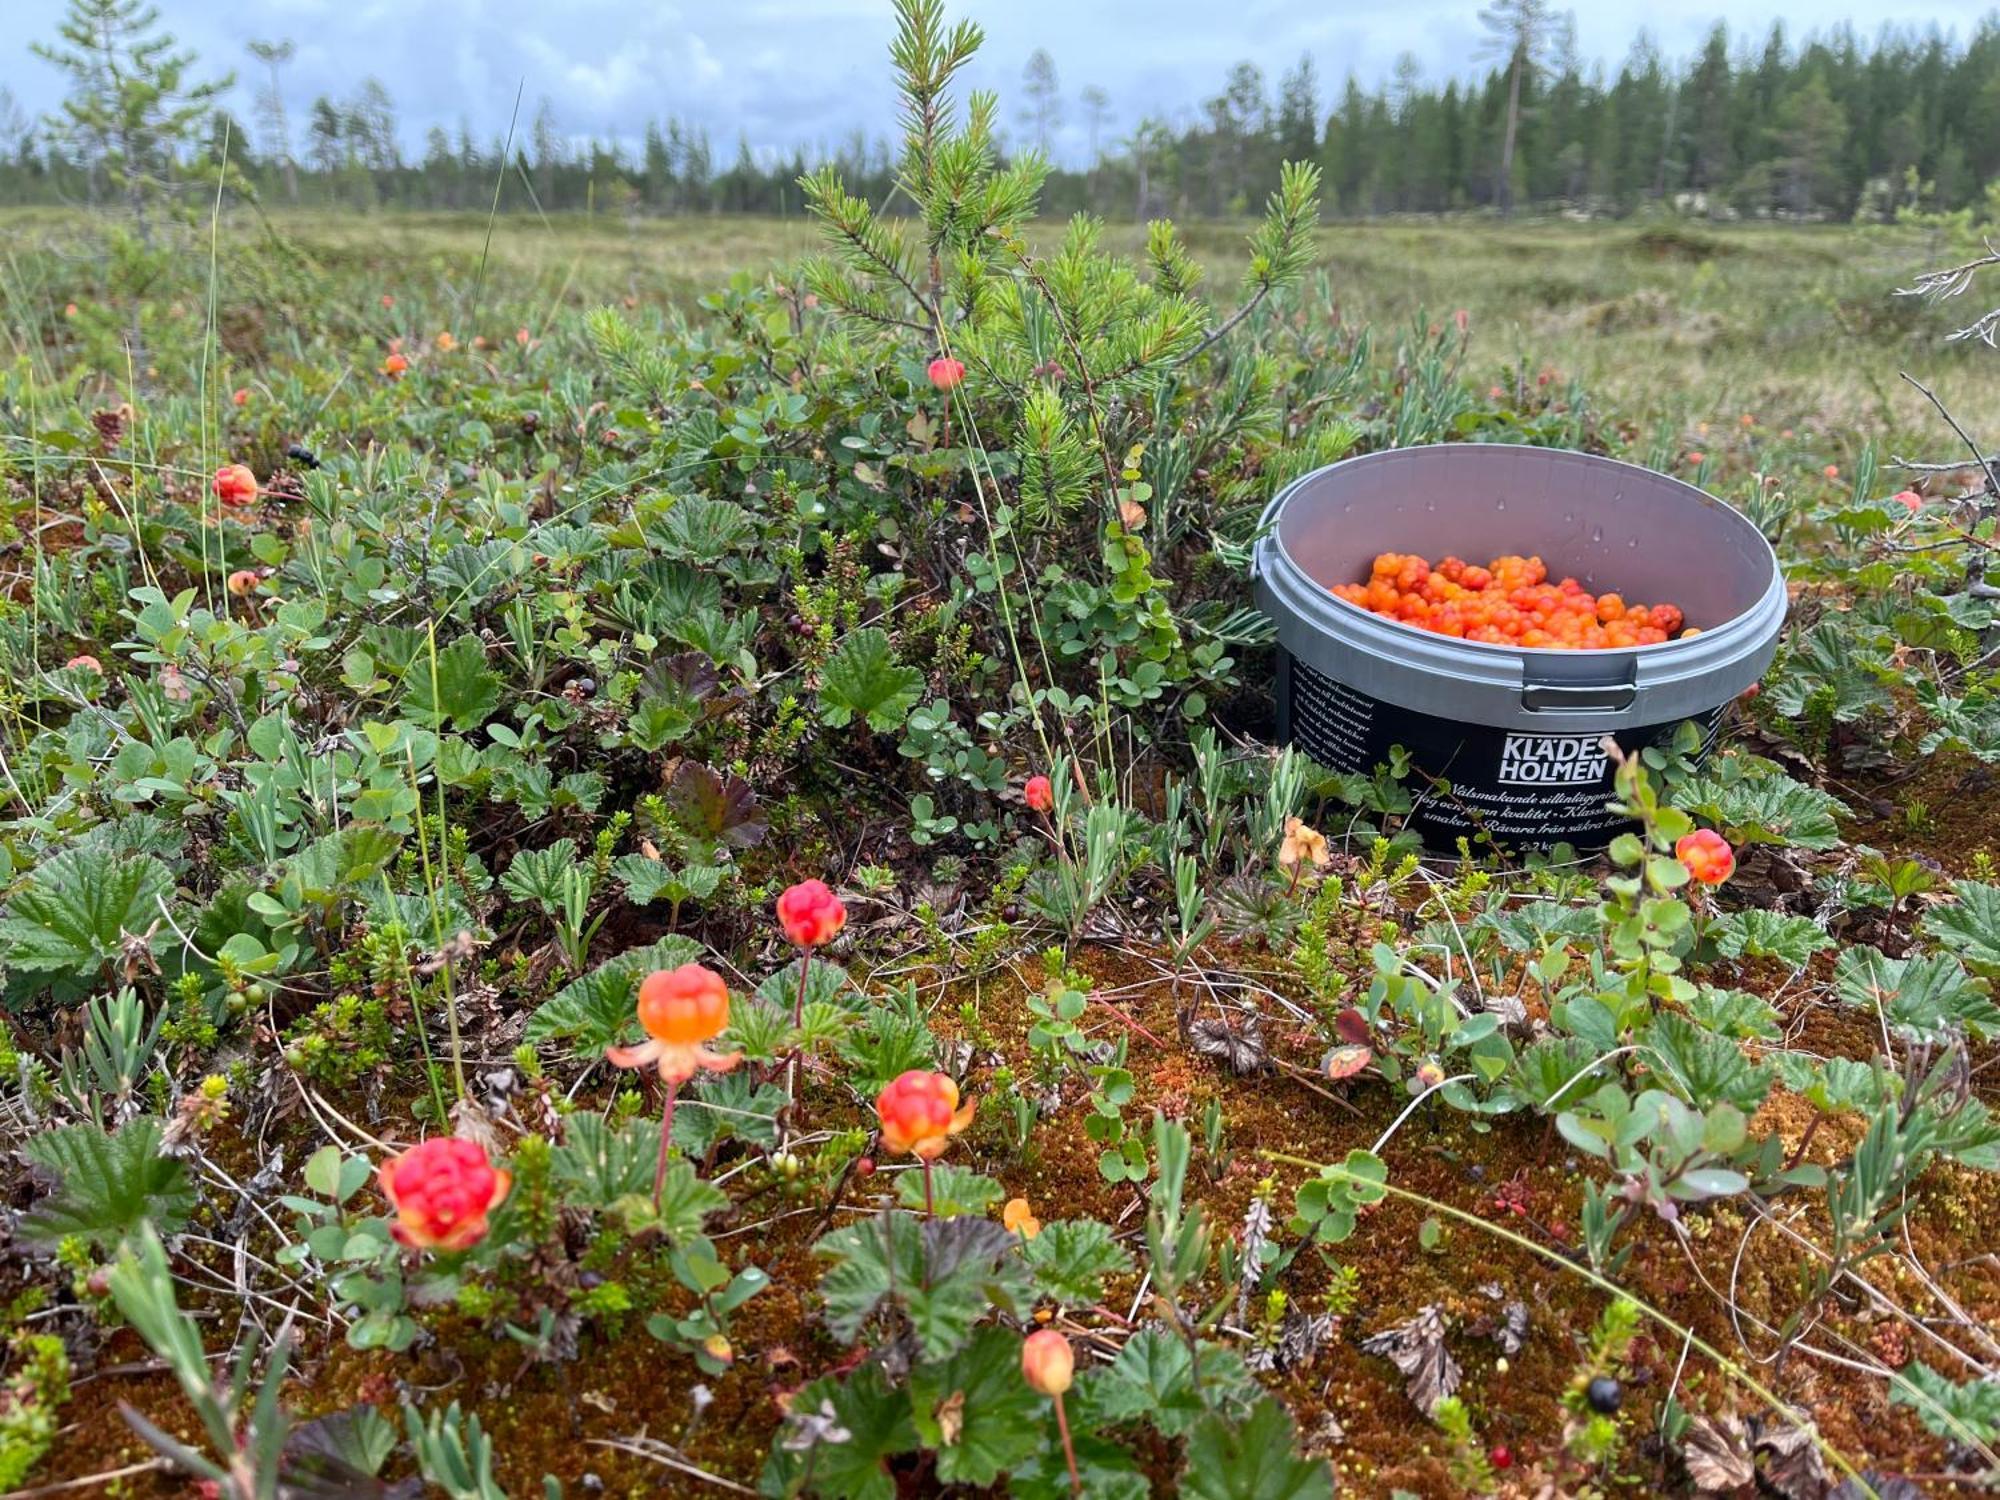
(666, 1138)
(1069, 1448)
(930, 1212)
(799, 1005)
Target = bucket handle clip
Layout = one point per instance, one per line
(1571, 692)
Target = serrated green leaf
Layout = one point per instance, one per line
(955, 1191)
(1251, 1460)
(863, 680)
(1071, 1257)
(1969, 926)
(601, 1007)
(74, 913)
(463, 691)
(944, 1274)
(975, 1411)
(107, 1185)
(842, 1432)
(1928, 998)
(1757, 933)
(597, 1164)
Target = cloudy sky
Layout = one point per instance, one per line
(792, 72)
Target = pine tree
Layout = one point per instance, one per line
(1298, 112)
(271, 112)
(1043, 91)
(132, 110)
(1517, 30)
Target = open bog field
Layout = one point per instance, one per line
(650, 856)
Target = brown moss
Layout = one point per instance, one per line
(549, 1419)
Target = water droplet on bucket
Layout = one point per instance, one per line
(1499, 504)
(1597, 533)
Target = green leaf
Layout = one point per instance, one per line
(74, 912)
(1703, 1068)
(1927, 999)
(1106, 1471)
(537, 875)
(702, 531)
(1970, 926)
(1251, 1460)
(842, 1433)
(863, 680)
(686, 1202)
(107, 1185)
(1965, 1414)
(944, 1274)
(1735, 1013)
(976, 1412)
(597, 1165)
(1071, 1257)
(598, 1009)
(955, 1191)
(1152, 1381)
(465, 692)
(1758, 933)
(1765, 807)
(1329, 1204)
(727, 1106)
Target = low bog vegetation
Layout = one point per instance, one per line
(659, 898)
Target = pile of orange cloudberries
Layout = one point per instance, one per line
(1510, 602)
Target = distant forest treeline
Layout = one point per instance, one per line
(1835, 127)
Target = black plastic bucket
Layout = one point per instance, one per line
(1513, 731)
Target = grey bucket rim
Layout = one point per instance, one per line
(1684, 649)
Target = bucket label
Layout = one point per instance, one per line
(1518, 789)
(1539, 759)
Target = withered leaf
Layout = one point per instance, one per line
(1417, 1349)
(1792, 1463)
(1511, 1332)
(716, 805)
(951, 1418)
(1240, 1046)
(1717, 1455)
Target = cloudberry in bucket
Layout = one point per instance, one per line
(1511, 602)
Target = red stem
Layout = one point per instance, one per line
(799, 1005)
(666, 1136)
(1069, 1448)
(1127, 1022)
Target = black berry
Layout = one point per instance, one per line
(1603, 1395)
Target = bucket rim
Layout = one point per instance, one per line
(1268, 536)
